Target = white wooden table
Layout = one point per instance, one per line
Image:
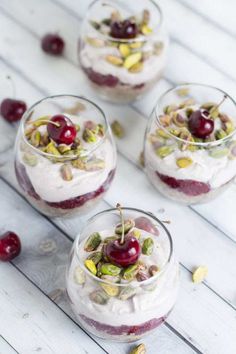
(34, 314)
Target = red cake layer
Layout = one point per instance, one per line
(27, 186)
(124, 329)
(186, 186)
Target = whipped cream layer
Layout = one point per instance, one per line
(95, 59)
(46, 176)
(215, 171)
(149, 302)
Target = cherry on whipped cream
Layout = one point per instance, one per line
(123, 253)
(200, 125)
(124, 30)
(52, 44)
(10, 246)
(61, 129)
(12, 110)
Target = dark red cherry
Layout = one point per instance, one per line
(12, 110)
(63, 132)
(52, 44)
(145, 224)
(10, 246)
(123, 254)
(124, 30)
(199, 125)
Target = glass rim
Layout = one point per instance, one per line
(137, 284)
(29, 111)
(203, 144)
(142, 38)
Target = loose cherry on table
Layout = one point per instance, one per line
(12, 110)
(52, 44)
(200, 125)
(124, 30)
(145, 224)
(123, 254)
(10, 246)
(61, 129)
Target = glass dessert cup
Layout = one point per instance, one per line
(190, 143)
(122, 302)
(65, 156)
(122, 48)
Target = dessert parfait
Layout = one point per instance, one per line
(122, 280)
(190, 143)
(123, 48)
(65, 157)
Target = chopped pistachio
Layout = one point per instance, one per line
(200, 274)
(117, 129)
(66, 172)
(136, 68)
(124, 50)
(184, 162)
(112, 59)
(30, 159)
(164, 151)
(90, 265)
(132, 59)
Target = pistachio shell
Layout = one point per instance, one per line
(132, 59)
(79, 276)
(128, 225)
(124, 50)
(130, 272)
(146, 30)
(66, 172)
(35, 138)
(90, 265)
(30, 159)
(184, 162)
(117, 129)
(96, 257)
(110, 269)
(141, 276)
(199, 274)
(218, 152)
(165, 120)
(92, 242)
(40, 121)
(110, 290)
(112, 59)
(140, 349)
(178, 119)
(99, 297)
(96, 42)
(127, 293)
(164, 151)
(170, 108)
(148, 246)
(153, 269)
(220, 134)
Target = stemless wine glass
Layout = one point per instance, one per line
(63, 177)
(120, 66)
(109, 306)
(190, 143)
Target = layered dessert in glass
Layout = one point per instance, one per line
(190, 143)
(65, 157)
(122, 48)
(122, 280)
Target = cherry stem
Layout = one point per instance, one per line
(45, 121)
(122, 240)
(218, 105)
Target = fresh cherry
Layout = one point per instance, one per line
(145, 224)
(199, 125)
(62, 131)
(10, 246)
(12, 110)
(123, 254)
(52, 44)
(125, 29)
